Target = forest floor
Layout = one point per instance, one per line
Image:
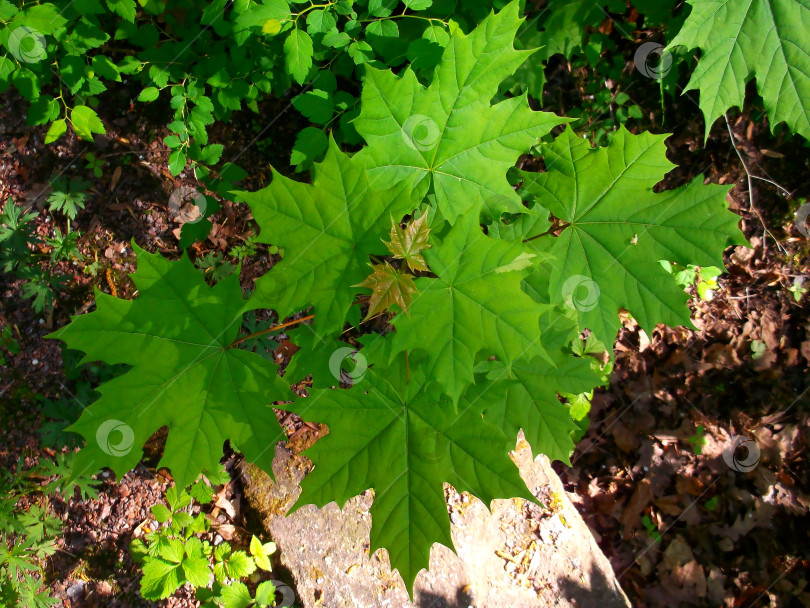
(655, 474)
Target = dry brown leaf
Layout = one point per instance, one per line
(626, 440)
(115, 177)
(631, 518)
(670, 505)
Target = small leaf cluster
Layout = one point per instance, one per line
(210, 60)
(704, 280)
(68, 197)
(215, 265)
(21, 248)
(390, 285)
(175, 554)
(66, 479)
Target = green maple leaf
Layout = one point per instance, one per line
(327, 229)
(618, 230)
(741, 39)
(531, 402)
(475, 304)
(448, 136)
(176, 337)
(395, 432)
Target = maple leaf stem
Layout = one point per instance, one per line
(554, 228)
(269, 330)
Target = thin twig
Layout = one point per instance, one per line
(270, 330)
(751, 207)
(774, 184)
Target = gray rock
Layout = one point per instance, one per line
(76, 591)
(520, 554)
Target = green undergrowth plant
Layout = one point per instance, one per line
(177, 552)
(484, 305)
(737, 41)
(33, 258)
(27, 538)
(64, 409)
(571, 28)
(9, 346)
(704, 280)
(208, 60)
(203, 62)
(28, 528)
(68, 197)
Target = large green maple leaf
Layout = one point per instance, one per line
(175, 336)
(530, 401)
(328, 229)
(448, 135)
(475, 304)
(618, 230)
(395, 432)
(741, 39)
